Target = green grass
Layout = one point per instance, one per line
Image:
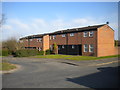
(5, 66)
(71, 57)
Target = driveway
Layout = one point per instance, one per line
(56, 73)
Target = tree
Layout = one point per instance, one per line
(2, 19)
(12, 45)
(55, 48)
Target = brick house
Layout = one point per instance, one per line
(95, 40)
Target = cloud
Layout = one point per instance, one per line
(20, 28)
(6, 27)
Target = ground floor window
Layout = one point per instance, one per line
(39, 48)
(73, 46)
(63, 46)
(85, 48)
(51, 47)
(91, 48)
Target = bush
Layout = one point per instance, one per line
(48, 52)
(4, 52)
(26, 52)
(41, 53)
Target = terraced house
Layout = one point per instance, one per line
(95, 40)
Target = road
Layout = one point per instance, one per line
(51, 73)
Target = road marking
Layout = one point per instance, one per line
(105, 63)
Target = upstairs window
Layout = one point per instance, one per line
(54, 36)
(91, 48)
(71, 34)
(21, 41)
(39, 39)
(85, 34)
(85, 48)
(63, 35)
(91, 34)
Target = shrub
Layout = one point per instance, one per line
(41, 53)
(55, 48)
(26, 52)
(32, 52)
(48, 52)
(4, 52)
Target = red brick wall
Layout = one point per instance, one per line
(105, 36)
(45, 42)
(59, 40)
(76, 40)
(35, 43)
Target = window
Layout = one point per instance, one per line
(91, 34)
(21, 41)
(50, 37)
(71, 34)
(58, 47)
(39, 48)
(91, 48)
(51, 47)
(39, 39)
(54, 36)
(63, 35)
(63, 46)
(30, 39)
(73, 46)
(85, 34)
(85, 48)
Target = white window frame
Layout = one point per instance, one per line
(39, 39)
(54, 36)
(71, 34)
(85, 34)
(50, 37)
(91, 34)
(73, 46)
(39, 49)
(58, 47)
(91, 46)
(63, 35)
(51, 47)
(30, 39)
(85, 47)
(21, 41)
(63, 46)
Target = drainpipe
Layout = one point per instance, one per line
(66, 43)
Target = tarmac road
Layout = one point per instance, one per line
(52, 73)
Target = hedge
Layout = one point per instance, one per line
(4, 52)
(26, 52)
(48, 52)
(41, 53)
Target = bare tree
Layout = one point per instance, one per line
(2, 19)
(12, 45)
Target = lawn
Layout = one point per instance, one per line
(5, 66)
(71, 57)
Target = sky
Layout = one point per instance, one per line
(29, 18)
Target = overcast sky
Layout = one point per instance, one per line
(28, 18)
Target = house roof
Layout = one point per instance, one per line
(78, 29)
(65, 31)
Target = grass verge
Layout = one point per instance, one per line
(71, 57)
(5, 66)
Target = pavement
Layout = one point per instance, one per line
(59, 73)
